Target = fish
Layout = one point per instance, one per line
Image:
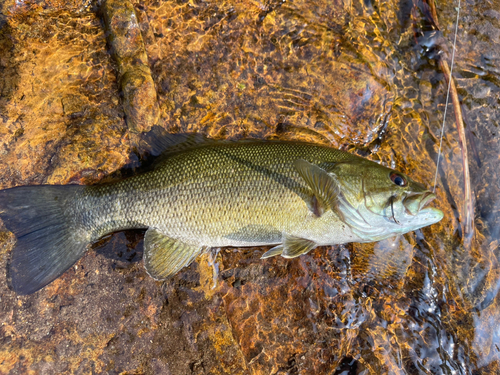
(289, 195)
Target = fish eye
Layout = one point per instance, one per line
(398, 179)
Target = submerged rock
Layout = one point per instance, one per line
(336, 73)
(138, 89)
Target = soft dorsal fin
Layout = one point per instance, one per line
(165, 256)
(291, 247)
(323, 186)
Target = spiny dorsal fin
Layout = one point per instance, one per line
(161, 142)
(323, 186)
(290, 248)
(165, 256)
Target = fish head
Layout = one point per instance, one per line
(379, 202)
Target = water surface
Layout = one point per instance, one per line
(348, 74)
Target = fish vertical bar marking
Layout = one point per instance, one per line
(447, 97)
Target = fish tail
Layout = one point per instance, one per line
(47, 241)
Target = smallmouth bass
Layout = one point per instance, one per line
(295, 196)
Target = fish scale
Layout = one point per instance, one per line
(237, 185)
(293, 195)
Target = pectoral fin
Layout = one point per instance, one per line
(290, 248)
(323, 186)
(165, 256)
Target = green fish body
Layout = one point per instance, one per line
(295, 196)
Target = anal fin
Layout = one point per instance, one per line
(165, 256)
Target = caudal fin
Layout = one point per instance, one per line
(47, 243)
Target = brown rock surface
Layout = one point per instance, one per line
(137, 86)
(341, 73)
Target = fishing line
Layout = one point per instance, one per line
(447, 97)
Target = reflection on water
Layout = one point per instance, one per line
(349, 74)
(391, 258)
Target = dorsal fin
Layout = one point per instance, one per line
(160, 142)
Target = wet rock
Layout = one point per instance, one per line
(137, 86)
(325, 72)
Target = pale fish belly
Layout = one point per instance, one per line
(246, 227)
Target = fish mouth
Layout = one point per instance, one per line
(414, 203)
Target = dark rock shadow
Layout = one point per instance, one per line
(124, 248)
(9, 76)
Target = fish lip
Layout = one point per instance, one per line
(426, 199)
(414, 203)
(433, 215)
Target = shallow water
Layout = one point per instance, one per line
(348, 74)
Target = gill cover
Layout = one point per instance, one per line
(375, 201)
